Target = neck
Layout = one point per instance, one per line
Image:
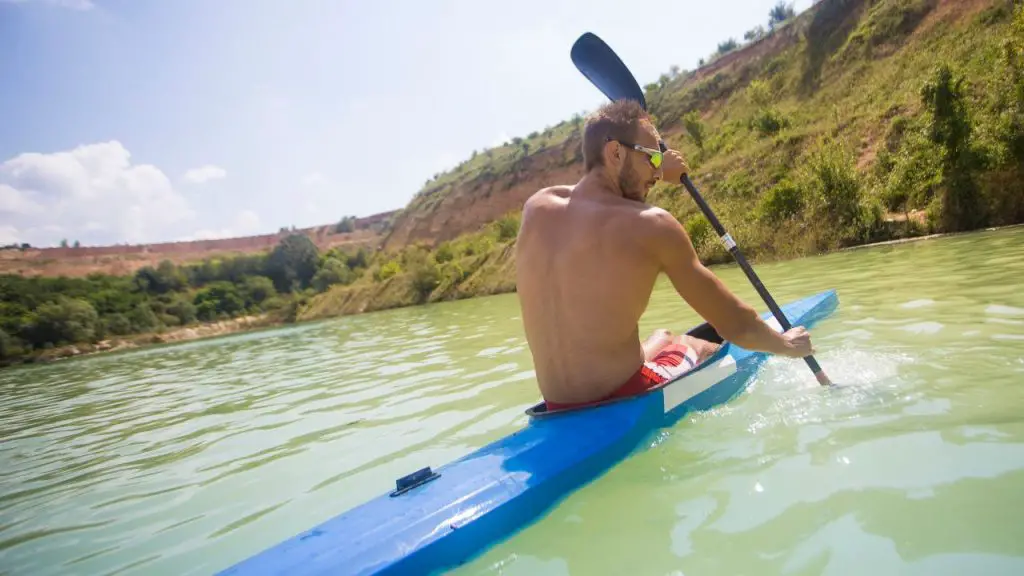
(598, 181)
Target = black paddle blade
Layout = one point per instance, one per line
(599, 63)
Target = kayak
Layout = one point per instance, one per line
(435, 520)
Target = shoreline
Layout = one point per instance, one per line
(174, 335)
(198, 332)
(930, 237)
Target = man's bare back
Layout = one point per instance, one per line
(588, 279)
(587, 258)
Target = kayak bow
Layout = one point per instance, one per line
(438, 519)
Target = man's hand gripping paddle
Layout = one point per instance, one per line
(599, 63)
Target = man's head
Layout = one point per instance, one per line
(609, 137)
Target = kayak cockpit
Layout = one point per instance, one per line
(704, 331)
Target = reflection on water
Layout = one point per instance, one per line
(187, 458)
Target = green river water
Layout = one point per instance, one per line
(184, 459)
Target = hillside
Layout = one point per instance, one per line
(857, 121)
(843, 68)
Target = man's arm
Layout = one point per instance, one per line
(733, 319)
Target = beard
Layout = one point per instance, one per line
(632, 186)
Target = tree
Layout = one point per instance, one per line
(142, 318)
(949, 126)
(65, 320)
(755, 33)
(64, 243)
(727, 46)
(183, 309)
(10, 347)
(779, 14)
(218, 298)
(77, 244)
(166, 277)
(347, 224)
(256, 290)
(333, 271)
(292, 263)
(357, 260)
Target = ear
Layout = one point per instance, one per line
(612, 153)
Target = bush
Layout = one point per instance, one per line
(66, 320)
(117, 324)
(444, 253)
(782, 202)
(333, 271)
(508, 228)
(830, 180)
(425, 278)
(916, 172)
(142, 318)
(10, 347)
(386, 271)
(256, 289)
(357, 260)
(699, 230)
(168, 320)
(768, 122)
(183, 309)
(759, 93)
(695, 128)
(219, 298)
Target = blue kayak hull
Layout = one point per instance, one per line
(490, 494)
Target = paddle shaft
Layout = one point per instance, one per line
(730, 245)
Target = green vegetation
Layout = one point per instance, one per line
(870, 122)
(346, 224)
(471, 265)
(38, 315)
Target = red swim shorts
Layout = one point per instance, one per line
(673, 360)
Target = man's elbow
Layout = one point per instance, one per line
(741, 329)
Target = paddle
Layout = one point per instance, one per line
(599, 63)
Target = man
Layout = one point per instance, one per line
(587, 258)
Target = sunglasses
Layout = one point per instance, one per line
(655, 156)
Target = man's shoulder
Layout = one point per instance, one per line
(546, 198)
(550, 193)
(654, 217)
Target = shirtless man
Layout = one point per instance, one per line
(587, 258)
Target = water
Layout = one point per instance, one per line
(184, 459)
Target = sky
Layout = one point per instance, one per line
(133, 121)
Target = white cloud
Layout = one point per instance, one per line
(205, 174)
(247, 223)
(93, 193)
(14, 202)
(82, 5)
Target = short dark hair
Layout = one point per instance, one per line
(617, 120)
